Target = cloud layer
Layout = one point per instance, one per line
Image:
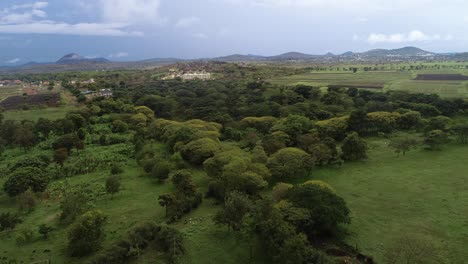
(410, 37)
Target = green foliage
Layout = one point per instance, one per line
(200, 150)
(44, 230)
(113, 185)
(73, 204)
(236, 206)
(354, 148)
(60, 155)
(234, 171)
(384, 122)
(461, 132)
(67, 141)
(280, 190)
(119, 126)
(289, 163)
(435, 139)
(321, 210)
(439, 123)
(335, 127)
(184, 199)
(24, 235)
(293, 125)
(261, 124)
(85, 236)
(403, 144)
(409, 120)
(26, 178)
(167, 239)
(9, 220)
(116, 169)
(161, 170)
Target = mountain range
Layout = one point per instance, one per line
(76, 62)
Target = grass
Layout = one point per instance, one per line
(389, 197)
(447, 89)
(424, 193)
(51, 113)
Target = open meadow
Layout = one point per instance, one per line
(423, 194)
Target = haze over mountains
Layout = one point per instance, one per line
(76, 62)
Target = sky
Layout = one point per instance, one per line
(125, 30)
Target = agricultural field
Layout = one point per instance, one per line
(446, 86)
(51, 113)
(6, 91)
(385, 191)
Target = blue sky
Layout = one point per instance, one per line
(142, 29)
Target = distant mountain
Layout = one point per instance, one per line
(76, 58)
(404, 52)
(76, 62)
(292, 56)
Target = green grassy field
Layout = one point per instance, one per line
(51, 113)
(424, 193)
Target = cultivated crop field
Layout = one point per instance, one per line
(445, 85)
(359, 79)
(6, 91)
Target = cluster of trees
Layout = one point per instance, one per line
(291, 226)
(183, 199)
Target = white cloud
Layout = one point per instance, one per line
(200, 35)
(13, 61)
(187, 22)
(31, 19)
(118, 55)
(131, 11)
(412, 36)
(85, 29)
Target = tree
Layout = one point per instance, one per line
(293, 125)
(73, 204)
(44, 230)
(236, 206)
(161, 170)
(60, 156)
(113, 185)
(289, 163)
(317, 210)
(85, 236)
(403, 144)
(461, 131)
(25, 137)
(119, 126)
(116, 169)
(67, 141)
(259, 155)
(354, 148)
(26, 178)
(182, 180)
(280, 190)
(44, 126)
(358, 121)
(435, 139)
(200, 150)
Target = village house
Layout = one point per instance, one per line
(196, 75)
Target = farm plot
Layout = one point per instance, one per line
(441, 77)
(19, 101)
(372, 80)
(6, 91)
(447, 89)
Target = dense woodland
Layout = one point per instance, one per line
(253, 139)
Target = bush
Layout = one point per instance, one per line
(9, 221)
(354, 148)
(116, 169)
(161, 170)
(289, 163)
(86, 234)
(200, 150)
(26, 178)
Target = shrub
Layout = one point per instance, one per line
(26, 178)
(9, 220)
(200, 150)
(116, 169)
(86, 234)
